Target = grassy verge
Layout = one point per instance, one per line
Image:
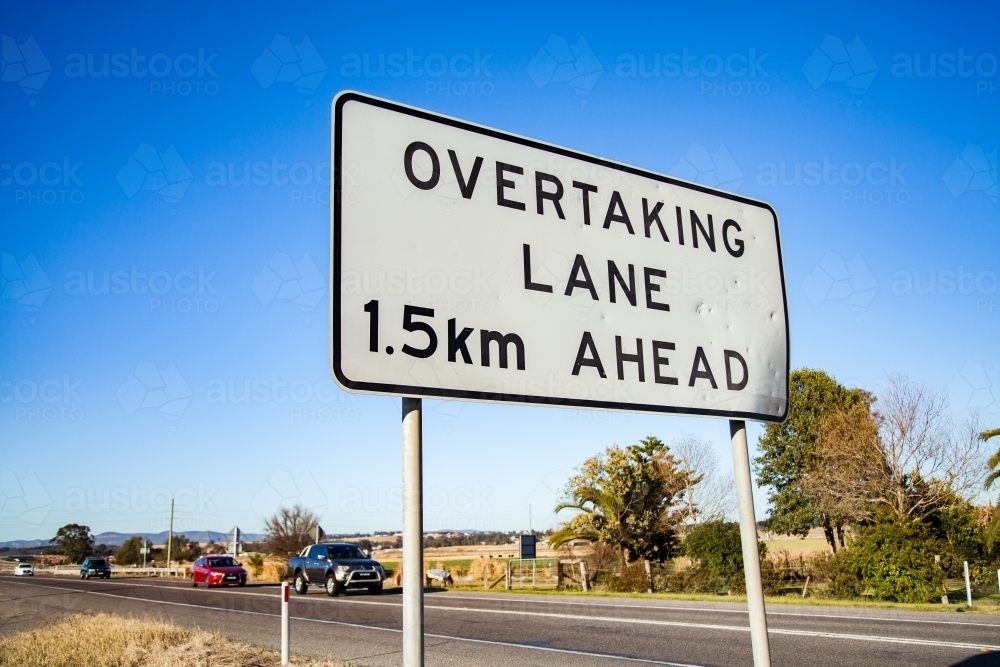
(985, 605)
(106, 640)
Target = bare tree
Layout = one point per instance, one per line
(907, 454)
(710, 494)
(290, 529)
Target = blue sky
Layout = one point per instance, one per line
(119, 393)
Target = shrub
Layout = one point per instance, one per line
(631, 579)
(893, 559)
(256, 563)
(718, 551)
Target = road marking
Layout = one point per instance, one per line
(575, 617)
(608, 656)
(462, 596)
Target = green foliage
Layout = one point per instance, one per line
(893, 559)
(128, 553)
(788, 449)
(717, 549)
(627, 499)
(256, 563)
(183, 549)
(993, 531)
(74, 541)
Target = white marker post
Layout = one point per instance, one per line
(473, 264)
(748, 536)
(413, 534)
(285, 639)
(968, 584)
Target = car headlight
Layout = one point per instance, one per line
(343, 568)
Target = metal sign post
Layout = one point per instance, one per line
(413, 534)
(748, 536)
(606, 286)
(234, 541)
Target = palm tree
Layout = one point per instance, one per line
(600, 516)
(993, 533)
(994, 462)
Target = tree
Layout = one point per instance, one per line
(907, 456)
(788, 452)
(848, 457)
(75, 542)
(183, 549)
(290, 530)
(993, 465)
(627, 499)
(715, 492)
(994, 462)
(128, 553)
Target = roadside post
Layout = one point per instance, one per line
(968, 584)
(469, 263)
(285, 659)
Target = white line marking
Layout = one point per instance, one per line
(462, 596)
(703, 610)
(607, 656)
(604, 619)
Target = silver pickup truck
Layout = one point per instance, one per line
(337, 567)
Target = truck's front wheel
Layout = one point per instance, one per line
(300, 584)
(333, 589)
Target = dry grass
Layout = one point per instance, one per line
(106, 640)
(273, 572)
(492, 568)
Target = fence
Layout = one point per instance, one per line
(533, 573)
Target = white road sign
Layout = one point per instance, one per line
(475, 264)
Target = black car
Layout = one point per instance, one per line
(95, 567)
(336, 567)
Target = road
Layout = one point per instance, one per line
(507, 630)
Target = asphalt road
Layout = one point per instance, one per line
(481, 629)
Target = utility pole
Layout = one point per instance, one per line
(529, 521)
(145, 548)
(170, 535)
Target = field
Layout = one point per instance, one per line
(108, 640)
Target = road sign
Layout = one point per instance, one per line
(474, 264)
(526, 546)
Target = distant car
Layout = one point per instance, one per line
(218, 571)
(95, 567)
(24, 570)
(336, 567)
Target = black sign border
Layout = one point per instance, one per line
(339, 102)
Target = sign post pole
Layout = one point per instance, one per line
(748, 534)
(413, 534)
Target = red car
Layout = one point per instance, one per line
(218, 571)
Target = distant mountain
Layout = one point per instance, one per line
(24, 544)
(116, 539)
